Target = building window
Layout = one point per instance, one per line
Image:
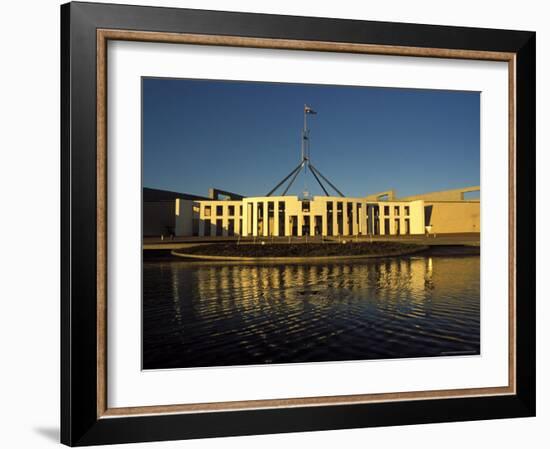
(207, 211)
(396, 210)
(386, 210)
(240, 211)
(219, 211)
(231, 211)
(305, 206)
(407, 210)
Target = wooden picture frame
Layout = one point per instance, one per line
(86, 419)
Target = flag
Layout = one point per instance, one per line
(308, 110)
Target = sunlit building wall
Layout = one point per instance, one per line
(284, 216)
(280, 216)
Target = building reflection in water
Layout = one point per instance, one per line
(203, 314)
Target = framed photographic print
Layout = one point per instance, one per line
(278, 224)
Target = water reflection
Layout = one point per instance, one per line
(198, 314)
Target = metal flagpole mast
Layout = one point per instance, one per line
(304, 134)
(305, 162)
(305, 139)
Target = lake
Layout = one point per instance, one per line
(198, 314)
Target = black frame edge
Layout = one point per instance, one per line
(65, 406)
(526, 223)
(79, 423)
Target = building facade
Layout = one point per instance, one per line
(291, 216)
(285, 216)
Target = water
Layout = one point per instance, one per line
(203, 314)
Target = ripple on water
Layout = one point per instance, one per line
(237, 314)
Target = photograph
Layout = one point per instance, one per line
(289, 223)
(282, 221)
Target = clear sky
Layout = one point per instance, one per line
(244, 137)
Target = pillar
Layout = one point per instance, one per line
(225, 222)
(276, 218)
(254, 218)
(381, 219)
(266, 219)
(238, 219)
(244, 228)
(334, 218)
(392, 220)
(365, 219)
(345, 219)
(287, 222)
(201, 224)
(324, 221)
(354, 217)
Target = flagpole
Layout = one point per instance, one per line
(305, 130)
(304, 163)
(305, 156)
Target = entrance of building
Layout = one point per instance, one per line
(293, 224)
(306, 227)
(318, 225)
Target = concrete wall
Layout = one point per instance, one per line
(158, 218)
(219, 217)
(452, 216)
(417, 217)
(183, 210)
(288, 215)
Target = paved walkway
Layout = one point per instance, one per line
(468, 239)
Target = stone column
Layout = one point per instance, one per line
(244, 229)
(201, 221)
(225, 225)
(255, 218)
(286, 218)
(237, 219)
(365, 220)
(345, 219)
(266, 219)
(324, 221)
(276, 218)
(335, 218)
(354, 218)
(381, 219)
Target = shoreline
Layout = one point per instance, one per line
(168, 255)
(403, 252)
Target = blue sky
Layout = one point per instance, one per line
(244, 137)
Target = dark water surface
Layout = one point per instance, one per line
(204, 314)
